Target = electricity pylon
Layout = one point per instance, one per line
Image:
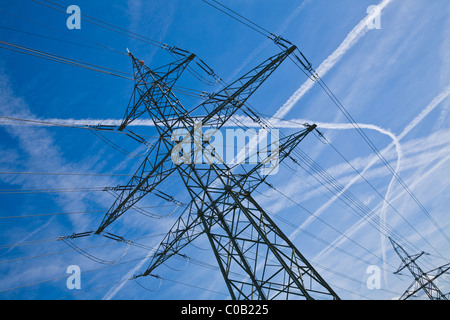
(422, 280)
(257, 260)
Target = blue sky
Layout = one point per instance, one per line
(394, 81)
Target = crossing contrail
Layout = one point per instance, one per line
(420, 117)
(352, 38)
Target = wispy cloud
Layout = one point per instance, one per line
(266, 43)
(426, 158)
(40, 151)
(445, 69)
(415, 181)
(113, 291)
(150, 18)
(382, 206)
(352, 38)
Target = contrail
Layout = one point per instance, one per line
(352, 38)
(360, 223)
(347, 126)
(281, 30)
(348, 43)
(29, 235)
(435, 103)
(111, 293)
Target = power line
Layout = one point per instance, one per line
(173, 50)
(237, 120)
(351, 278)
(355, 204)
(27, 243)
(74, 249)
(239, 20)
(244, 87)
(42, 241)
(206, 2)
(155, 276)
(184, 257)
(52, 253)
(55, 190)
(65, 276)
(345, 236)
(328, 179)
(67, 174)
(97, 130)
(57, 39)
(104, 24)
(64, 60)
(346, 206)
(320, 266)
(341, 107)
(321, 172)
(88, 66)
(360, 174)
(371, 185)
(95, 44)
(344, 195)
(381, 157)
(76, 212)
(197, 262)
(215, 1)
(324, 222)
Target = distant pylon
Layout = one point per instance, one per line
(422, 280)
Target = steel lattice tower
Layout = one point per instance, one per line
(422, 280)
(257, 260)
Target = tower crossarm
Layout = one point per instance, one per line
(146, 178)
(157, 99)
(243, 237)
(153, 92)
(188, 226)
(222, 105)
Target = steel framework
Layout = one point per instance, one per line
(422, 280)
(257, 260)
